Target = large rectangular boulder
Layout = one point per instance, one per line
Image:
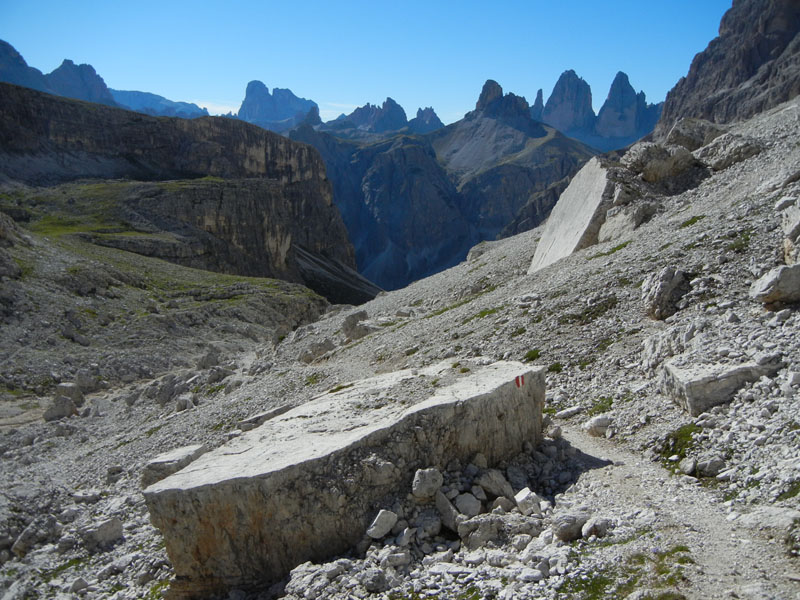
(697, 388)
(306, 484)
(575, 220)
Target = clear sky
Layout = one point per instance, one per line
(345, 54)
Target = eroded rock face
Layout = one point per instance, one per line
(307, 484)
(751, 66)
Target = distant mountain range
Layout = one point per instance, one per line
(624, 117)
(414, 204)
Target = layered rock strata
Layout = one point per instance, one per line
(307, 484)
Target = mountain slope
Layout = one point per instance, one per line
(753, 65)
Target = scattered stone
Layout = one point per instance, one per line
(692, 133)
(568, 527)
(710, 466)
(701, 387)
(595, 526)
(61, 408)
(655, 162)
(781, 284)
(568, 412)
(597, 426)
(468, 505)
(71, 391)
(494, 483)
(101, 535)
(528, 502)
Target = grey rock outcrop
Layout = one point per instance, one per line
(692, 133)
(247, 513)
(655, 162)
(727, 149)
(697, 388)
(751, 66)
(790, 223)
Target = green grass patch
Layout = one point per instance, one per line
(791, 492)
(616, 248)
(532, 355)
(412, 351)
(678, 442)
(482, 314)
(47, 575)
(313, 379)
(741, 243)
(692, 221)
(602, 405)
(555, 368)
(153, 430)
(518, 332)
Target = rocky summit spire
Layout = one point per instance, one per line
(538, 107)
(491, 91)
(569, 107)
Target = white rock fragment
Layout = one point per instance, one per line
(528, 502)
(382, 525)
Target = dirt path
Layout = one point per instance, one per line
(731, 559)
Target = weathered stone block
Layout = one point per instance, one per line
(699, 388)
(303, 486)
(781, 284)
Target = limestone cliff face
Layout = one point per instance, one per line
(753, 65)
(46, 139)
(269, 199)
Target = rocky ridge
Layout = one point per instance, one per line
(721, 525)
(278, 111)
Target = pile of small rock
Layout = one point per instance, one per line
(465, 528)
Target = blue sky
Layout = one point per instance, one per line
(344, 54)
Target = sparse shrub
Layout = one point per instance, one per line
(555, 368)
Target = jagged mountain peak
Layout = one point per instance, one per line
(491, 91)
(569, 106)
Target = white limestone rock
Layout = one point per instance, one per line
(528, 502)
(383, 523)
(468, 505)
(575, 221)
(727, 150)
(61, 408)
(661, 291)
(426, 483)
